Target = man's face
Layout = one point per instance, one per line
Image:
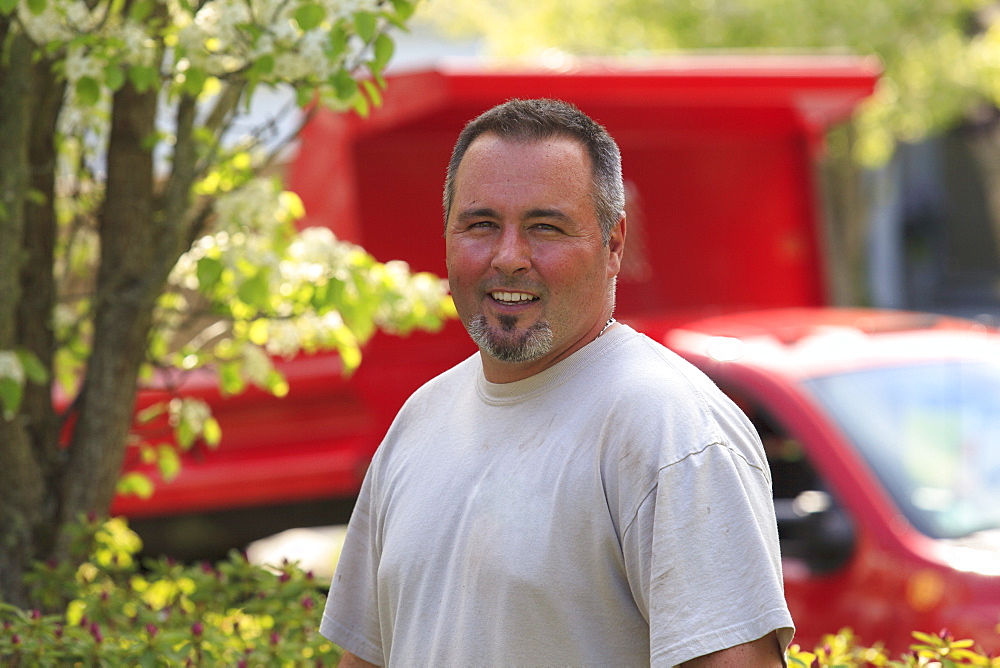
(529, 272)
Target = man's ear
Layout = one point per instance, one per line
(616, 247)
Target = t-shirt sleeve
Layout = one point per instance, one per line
(351, 618)
(702, 557)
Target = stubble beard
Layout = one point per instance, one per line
(506, 344)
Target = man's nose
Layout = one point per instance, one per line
(513, 252)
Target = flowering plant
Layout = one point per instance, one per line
(145, 233)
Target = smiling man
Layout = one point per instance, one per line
(575, 493)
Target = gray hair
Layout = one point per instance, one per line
(535, 120)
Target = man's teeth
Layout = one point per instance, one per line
(512, 297)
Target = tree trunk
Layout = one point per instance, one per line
(38, 292)
(127, 288)
(22, 490)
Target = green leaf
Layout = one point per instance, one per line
(194, 81)
(404, 8)
(361, 106)
(185, 433)
(255, 31)
(209, 270)
(114, 77)
(365, 24)
(11, 394)
(309, 15)
(230, 378)
(345, 85)
(304, 95)
(276, 383)
(36, 197)
(258, 331)
(255, 290)
(338, 42)
(168, 462)
(150, 413)
(88, 91)
(139, 11)
(142, 77)
(134, 483)
(37, 6)
(7, 6)
(263, 65)
(212, 432)
(33, 367)
(373, 92)
(384, 48)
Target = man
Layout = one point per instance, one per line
(573, 494)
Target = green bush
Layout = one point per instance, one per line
(113, 611)
(110, 610)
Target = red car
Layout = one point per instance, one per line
(882, 430)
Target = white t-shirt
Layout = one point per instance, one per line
(614, 509)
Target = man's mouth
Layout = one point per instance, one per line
(512, 297)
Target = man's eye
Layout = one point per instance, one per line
(546, 227)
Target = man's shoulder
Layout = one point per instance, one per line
(448, 382)
(641, 365)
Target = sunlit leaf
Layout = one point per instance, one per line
(88, 91)
(310, 15)
(11, 394)
(231, 378)
(114, 77)
(34, 370)
(168, 462)
(255, 290)
(212, 432)
(373, 92)
(384, 48)
(150, 413)
(135, 484)
(208, 271)
(345, 85)
(365, 23)
(142, 77)
(139, 11)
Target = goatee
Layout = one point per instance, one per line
(506, 344)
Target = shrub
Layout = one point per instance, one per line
(111, 611)
(940, 650)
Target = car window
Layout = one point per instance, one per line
(812, 527)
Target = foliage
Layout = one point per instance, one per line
(115, 612)
(145, 236)
(940, 650)
(941, 58)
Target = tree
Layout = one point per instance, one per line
(141, 236)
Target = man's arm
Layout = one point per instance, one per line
(348, 660)
(761, 653)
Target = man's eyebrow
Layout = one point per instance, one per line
(531, 214)
(546, 213)
(483, 212)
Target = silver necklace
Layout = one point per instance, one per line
(610, 322)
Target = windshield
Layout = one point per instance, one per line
(931, 433)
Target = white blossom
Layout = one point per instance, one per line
(10, 366)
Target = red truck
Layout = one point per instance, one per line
(881, 427)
